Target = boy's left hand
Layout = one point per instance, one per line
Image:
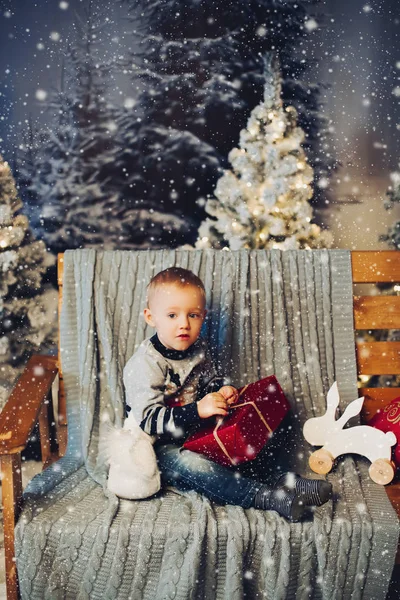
(230, 394)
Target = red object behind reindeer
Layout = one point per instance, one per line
(242, 434)
(388, 419)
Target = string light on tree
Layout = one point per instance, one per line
(263, 201)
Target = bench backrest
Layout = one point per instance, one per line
(377, 311)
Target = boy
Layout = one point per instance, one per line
(171, 386)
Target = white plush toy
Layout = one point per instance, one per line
(329, 433)
(129, 451)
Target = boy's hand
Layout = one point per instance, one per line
(212, 404)
(230, 394)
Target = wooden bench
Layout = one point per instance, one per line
(31, 400)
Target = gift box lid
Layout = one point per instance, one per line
(244, 421)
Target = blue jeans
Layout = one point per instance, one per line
(187, 470)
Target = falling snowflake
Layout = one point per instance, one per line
(38, 371)
(311, 24)
(129, 102)
(323, 183)
(41, 95)
(111, 126)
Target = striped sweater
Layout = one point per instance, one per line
(162, 387)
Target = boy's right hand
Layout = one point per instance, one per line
(212, 404)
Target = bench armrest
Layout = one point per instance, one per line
(29, 402)
(25, 403)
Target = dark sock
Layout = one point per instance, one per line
(313, 492)
(291, 495)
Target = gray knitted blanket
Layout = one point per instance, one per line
(287, 313)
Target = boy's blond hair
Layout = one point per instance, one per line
(174, 276)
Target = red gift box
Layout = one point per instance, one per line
(242, 434)
(388, 419)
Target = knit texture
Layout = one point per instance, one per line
(270, 312)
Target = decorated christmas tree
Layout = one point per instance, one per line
(263, 202)
(24, 308)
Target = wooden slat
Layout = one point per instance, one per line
(381, 266)
(22, 409)
(11, 500)
(62, 402)
(375, 399)
(378, 358)
(377, 312)
(46, 417)
(60, 269)
(62, 438)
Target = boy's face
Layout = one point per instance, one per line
(177, 313)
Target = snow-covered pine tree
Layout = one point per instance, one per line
(25, 321)
(25, 168)
(72, 178)
(152, 162)
(199, 72)
(264, 201)
(48, 170)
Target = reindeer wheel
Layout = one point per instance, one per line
(321, 461)
(381, 471)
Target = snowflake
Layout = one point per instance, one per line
(41, 95)
(323, 183)
(361, 507)
(38, 371)
(311, 24)
(111, 126)
(129, 102)
(63, 5)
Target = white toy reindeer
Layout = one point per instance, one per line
(328, 432)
